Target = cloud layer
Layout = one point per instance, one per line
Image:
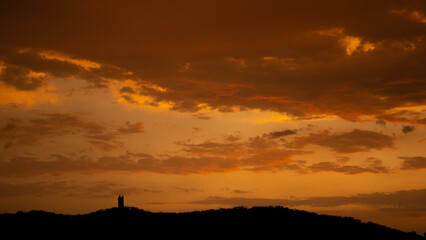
(261, 153)
(335, 59)
(405, 201)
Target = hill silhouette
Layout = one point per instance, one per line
(262, 222)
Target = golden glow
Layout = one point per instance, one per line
(86, 64)
(37, 74)
(355, 44)
(368, 47)
(9, 95)
(287, 63)
(418, 16)
(416, 108)
(263, 117)
(2, 67)
(137, 98)
(274, 117)
(351, 44)
(155, 87)
(333, 32)
(273, 102)
(414, 15)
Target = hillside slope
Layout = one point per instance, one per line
(261, 222)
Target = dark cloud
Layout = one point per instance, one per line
(19, 64)
(408, 129)
(405, 116)
(348, 142)
(127, 90)
(278, 134)
(373, 167)
(129, 99)
(237, 191)
(201, 116)
(20, 78)
(413, 163)
(381, 123)
(211, 148)
(275, 55)
(233, 138)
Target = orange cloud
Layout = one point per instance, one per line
(19, 132)
(405, 200)
(348, 142)
(260, 153)
(413, 163)
(11, 95)
(301, 71)
(374, 167)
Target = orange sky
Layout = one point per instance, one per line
(187, 105)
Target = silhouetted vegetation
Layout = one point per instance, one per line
(261, 222)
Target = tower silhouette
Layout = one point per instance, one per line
(120, 201)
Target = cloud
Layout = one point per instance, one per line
(88, 190)
(404, 201)
(188, 190)
(129, 99)
(201, 116)
(412, 163)
(31, 166)
(372, 167)
(18, 132)
(237, 191)
(381, 122)
(255, 154)
(278, 134)
(127, 90)
(129, 128)
(334, 65)
(31, 131)
(412, 116)
(211, 148)
(20, 78)
(233, 138)
(260, 153)
(408, 129)
(28, 69)
(348, 142)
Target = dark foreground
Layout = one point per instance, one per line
(256, 222)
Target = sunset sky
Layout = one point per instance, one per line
(190, 105)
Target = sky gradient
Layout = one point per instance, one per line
(188, 105)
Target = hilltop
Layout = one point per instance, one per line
(264, 222)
